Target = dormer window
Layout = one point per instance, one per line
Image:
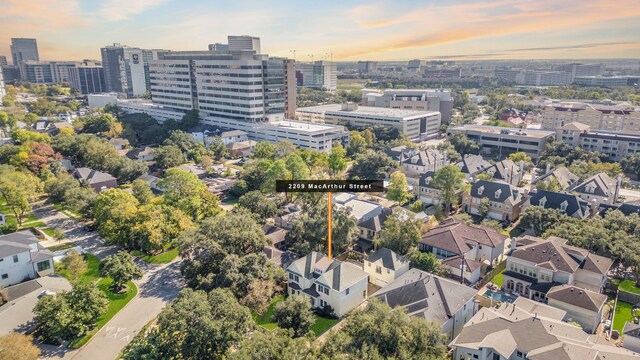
(563, 206)
(498, 193)
(590, 188)
(542, 201)
(480, 190)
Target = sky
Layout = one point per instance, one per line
(345, 30)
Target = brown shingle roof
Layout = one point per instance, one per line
(578, 297)
(455, 236)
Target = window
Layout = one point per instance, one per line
(4, 276)
(563, 206)
(15, 258)
(388, 271)
(296, 278)
(44, 265)
(290, 276)
(378, 269)
(347, 291)
(480, 190)
(498, 193)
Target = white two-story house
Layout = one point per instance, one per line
(384, 266)
(339, 284)
(22, 258)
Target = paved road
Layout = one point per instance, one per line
(159, 285)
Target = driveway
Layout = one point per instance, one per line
(17, 314)
(159, 285)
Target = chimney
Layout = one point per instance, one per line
(462, 270)
(548, 168)
(521, 169)
(594, 207)
(617, 190)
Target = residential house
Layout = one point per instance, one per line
(536, 265)
(368, 229)
(631, 337)
(505, 200)
(526, 330)
(432, 298)
(562, 176)
(241, 148)
(628, 208)
(384, 266)
(67, 165)
(152, 181)
(507, 171)
(276, 235)
(197, 170)
(472, 165)
(96, 179)
(599, 189)
(219, 186)
(569, 204)
(23, 258)
(422, 161)
(464, 248)
(233, 136)
(119, 144)
(281, 258)
(339, 284)
(143, 154)
(582, 306)
(360, 210)
(426, 191)
(287, 215)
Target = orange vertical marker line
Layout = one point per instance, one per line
(330, 218)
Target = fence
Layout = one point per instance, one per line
(491, 274)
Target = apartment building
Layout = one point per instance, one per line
(87, 78)
(607, 116)
(607, 81)
(504, 200)
(501, 141)
(367, 67)
(416, 125)
(2, 84)
(411, 99)
(320, 75)
(47, 72)
(614, 144)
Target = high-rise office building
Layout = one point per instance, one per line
(3, 92)
(11, 74)
(218, 47)
(414, 65)
(47, 72)
(23, 49)
(290, 89)
(577, 69)
(87, 78)
(365, 67)
(244, 42)
(3, 60)
(124, 69)
(411, 99)
(321, 75)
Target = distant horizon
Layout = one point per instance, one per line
(72, 30)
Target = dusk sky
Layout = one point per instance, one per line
(350, 30)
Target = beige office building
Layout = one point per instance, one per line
(607, 117)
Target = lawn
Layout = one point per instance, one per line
(323, 324)
(498, 279)
(68, 212)
(11, 218)
(265, 320)
(61, 247)
(230, 200)
(622, 315)
(162, 258)
(48, 231)
(629, 286)
(116, 301)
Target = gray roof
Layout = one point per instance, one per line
(473, 164)
(565, 177)
(390, 260)
(233, 133)
(426, 178)
(426, 295)
(513, 327)
(375, 223)
(497, 191)
(421, 158)
(335, 274)
(19, 242)
(505, 169)
(119, 142)
(578, 297)
(92, 176)
(575, 206)
(603, 184)
(279, 257)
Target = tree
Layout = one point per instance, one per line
(40, 156)
(631, 164)
(74, 264)
(195, 325)
(183, 141)
(104, 124)
(121, 268)
(371, 166)
(428, 262)
(264, 150)
(463, 145)
(169, 156)
(517, 157)
(186, 192)
(294, 313)
(449, 180)
(400, 233)
(540, 219)
(17, 346)
(550, 184)
(258, 204)
(492, 224)
(417, 206)
(115, 212)
(259, 296)
(483, 207)
(23, 136)
(398, 189)
(357, 144)
(297, 168)
(276, 344)
(69, 315)
(378, 332)
(127, 170)
(189, 120)
(18, 190)
(142, 191)
(337, 159)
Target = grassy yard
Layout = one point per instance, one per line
(61, 246)
(629, 286)
(622, 315)
(10, 218)
(323, 324)
(498, 279)
(48, 231)
(265, 320)
(116, 301)
(162, 258)
(68, 212)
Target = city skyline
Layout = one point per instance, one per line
(358, 30)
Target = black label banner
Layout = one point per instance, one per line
(329, 186)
